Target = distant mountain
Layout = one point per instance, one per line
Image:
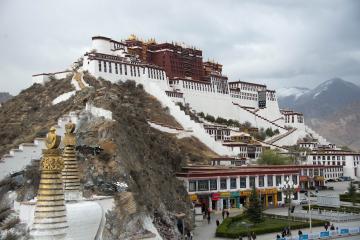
(322, 101)
(4, 96)
(332, 109)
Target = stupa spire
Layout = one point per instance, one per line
(70, 173)
(50, 220)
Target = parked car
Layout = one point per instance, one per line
(330, 180)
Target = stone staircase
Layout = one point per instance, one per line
(186, 122)
(18, 158)
(260, 117)
(10, 220)
(281, 136)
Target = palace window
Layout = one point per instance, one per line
(104, 66)
(242, 182)
(116, 68)
(120, 68)
(138, 70)
(233, 183)
(110, 67)
(223, 184)
(296, 196)
(294, 179)
(213, 184)
(252, 182)
(270, 181)
(192, 186)
(203, 185)
(261, 181)
(278, 180)
(131, 70)
(125, 68)
(99, 66)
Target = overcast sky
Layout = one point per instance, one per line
(279, 43)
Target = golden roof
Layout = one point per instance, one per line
(132, 37)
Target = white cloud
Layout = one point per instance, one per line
(280, 43)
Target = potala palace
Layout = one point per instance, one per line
(175, 73)
(178, 77)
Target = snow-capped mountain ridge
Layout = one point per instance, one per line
(325, 105)
(293, 91)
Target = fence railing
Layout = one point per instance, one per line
(334, 216)
(332, 234)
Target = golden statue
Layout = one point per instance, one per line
(52, 140)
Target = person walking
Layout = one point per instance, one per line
(332, 227)
(326, 226)
(217, 222)
(208, 218)
(300, 233)
(223, 213)
(253, 236)
(227, 213)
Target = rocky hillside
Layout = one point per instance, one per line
(132, 152)
(331, 109)
(4, 96)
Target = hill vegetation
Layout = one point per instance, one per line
(132, 152)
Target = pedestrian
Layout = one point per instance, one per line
(332, 227)
(283, 234)
(326, 226)
(300, 233)
(227, 213)
(240, 237)
(253, 236)
(278, 236)
(217, 222)
(223, 213)
(189, 235)
(208, 218)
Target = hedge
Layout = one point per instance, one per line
(347, 198)
(225, 229)
(341, 208)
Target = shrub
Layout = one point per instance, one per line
(209, 118)
(229, 229)
(271, 157)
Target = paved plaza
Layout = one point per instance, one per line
(207, 231)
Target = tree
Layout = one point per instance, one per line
(276, 132)
(201, 114)
(352, 192)
(269, 132)
(346, 148)
(271, 157)
(209, 118)
(247, 124)
(221, 120)
(254, 209)
(261, 135)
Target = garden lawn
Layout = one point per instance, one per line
(234, 227)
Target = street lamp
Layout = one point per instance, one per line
(309, 205)
(288, 188)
